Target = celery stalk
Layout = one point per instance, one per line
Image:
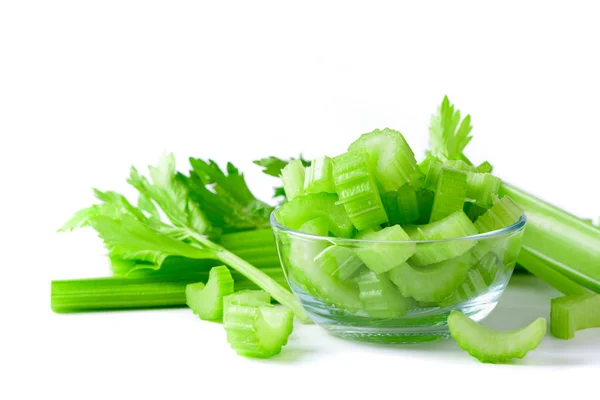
(558, 241)
(116, 293)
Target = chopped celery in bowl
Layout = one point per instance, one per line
(394, 284)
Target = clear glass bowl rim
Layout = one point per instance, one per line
(514, 228)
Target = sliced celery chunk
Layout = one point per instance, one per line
(307, 269)
(502, 214)
(569, 314)
(391, 158)
(382, 257)
(425, 202)
(450, 194)
(481, 188)
(304, 208)
(380, 298)
(401, 206)
(207, 301)
(490, 346)
(339, 261)
(318, 177)
(432, 283)
(254, 327)
(357, 189)
(304, 250)
(456, 225)
(478, 279)
(292, 178)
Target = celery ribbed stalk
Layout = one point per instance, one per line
(98, 294)
(558, 241)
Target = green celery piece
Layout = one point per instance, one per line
(357, 189)
(502, 214)
(381, 257)
(424, 165)
(485, 167)
(432, 283)
(380, 298)
(318, 177)
(206, 301)
(460, 165)
(256, 246)
(448, 135)
(224, 197)
(304, 208)
(478, 279)
(490, 346)
(292, 178)
(401, 206)
(390, 157)
(254, 327)
(160, 290)
(272, 166)
(130, 236)
(543, 270)
(569, 314)
(481, 188)
(456, 225)
(560, 240)
(338, 261)
(425, 202)
(450, 193)
(307, 269)
(473, 211)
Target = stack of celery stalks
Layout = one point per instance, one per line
(203, 240)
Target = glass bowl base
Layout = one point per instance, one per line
(418, 326)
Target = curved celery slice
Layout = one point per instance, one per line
(450, 193)
(302, 209)
(207, 301)
(401, 206)
(456, 225)
(478, 279)
(292, 178)
(382, 257)
(380, 298)
(357, 189)
(432, 283)
(569, 314)
(307, 268)
(304, 250)
(339, 261)
(254, 327)
(492, 346)
(318, 177)
(391, 158)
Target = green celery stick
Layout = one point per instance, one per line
(569, 314)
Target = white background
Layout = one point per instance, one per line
(88, 88)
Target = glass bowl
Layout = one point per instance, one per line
(341, 287)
